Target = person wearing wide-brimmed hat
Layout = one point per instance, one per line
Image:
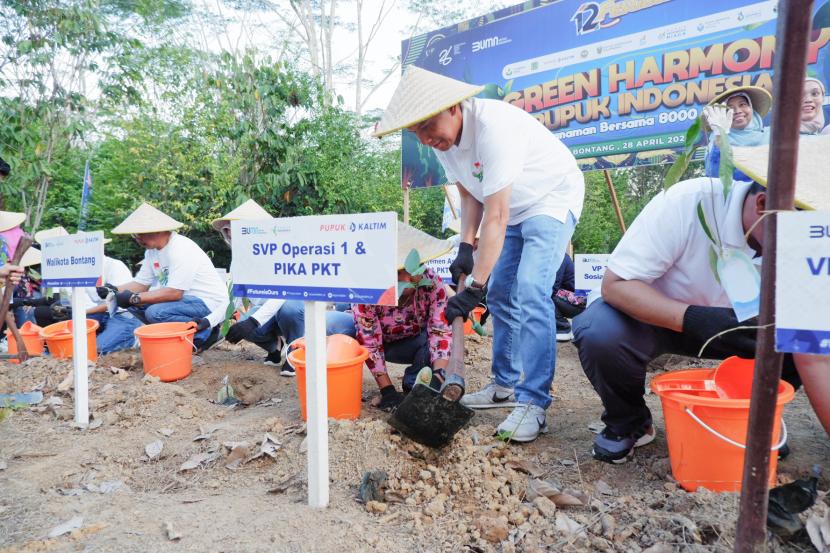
(414, 332)
(177, 281)
(10, 235)
(737, 113)
(660, 295)
(523, 187)
(259, 324)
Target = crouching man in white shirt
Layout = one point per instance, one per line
(177, 281)
(661, 295)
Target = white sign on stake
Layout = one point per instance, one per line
(589, 269)
(75, 261)
(802, 281)
(318, 259)
(441, 265)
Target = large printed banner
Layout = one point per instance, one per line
(618, 81)
(331, 258)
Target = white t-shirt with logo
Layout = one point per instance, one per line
(667, 247)
(503, 145)
(182, 265)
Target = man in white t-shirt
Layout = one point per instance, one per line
(177, 281)
(522, 186)
(661, 295)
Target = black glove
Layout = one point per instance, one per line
(34, 302)
(104, 291)
(463, 261)
(60, 312)
(201, 324)
(125, 299)
(242, 331)
(461, 304)
(390, 398)
(700, 323)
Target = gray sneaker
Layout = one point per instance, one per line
(489, 397)
(524, 424)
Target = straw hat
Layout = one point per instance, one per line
(248, 210)
(10, 219)
(428, 247)
(31, 257)
(811, 173)
(48, 233)
(761, 100)
(144, 219)
(420, 95)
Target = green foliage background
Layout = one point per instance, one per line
(195, 133)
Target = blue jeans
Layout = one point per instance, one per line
(524, 318)
(291, 321)
(181, 311)
(118, 333)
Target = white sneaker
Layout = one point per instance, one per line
(489, 397)
(524, 424)
(564, 336)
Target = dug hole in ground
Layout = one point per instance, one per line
(164, 468)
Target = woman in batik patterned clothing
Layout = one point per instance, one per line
(414, 332)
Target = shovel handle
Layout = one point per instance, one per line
(456, 364)
(23, 245)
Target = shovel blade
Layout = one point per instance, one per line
(427, 418)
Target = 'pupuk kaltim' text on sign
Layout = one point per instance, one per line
(802, 281)
(73, 261)
(332, 258)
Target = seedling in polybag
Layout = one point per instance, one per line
(225, 396)
(413, 266)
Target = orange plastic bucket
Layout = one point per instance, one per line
(167, 349)
(30, 333)
(58, 338)
(707, 434)
(344, 361)
(468, 324)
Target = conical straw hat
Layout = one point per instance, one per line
(428, 247)
(31, 257)
(10, 219)
(761, 100)
(144, 219)
(811, 188)
(420, 95)
(48, 233)
(248, 210)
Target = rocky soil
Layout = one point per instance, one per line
(164, 467)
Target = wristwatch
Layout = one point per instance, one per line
(470, 282)
(135, 299)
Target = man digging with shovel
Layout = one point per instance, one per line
(522, 186)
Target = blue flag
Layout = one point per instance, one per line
(86, 192)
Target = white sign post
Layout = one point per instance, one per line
(75, 261)
(589, 269)
(802, 281)
(319, 259)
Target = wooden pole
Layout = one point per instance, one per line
(614, 200)
(792, 37)
(449, 201)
